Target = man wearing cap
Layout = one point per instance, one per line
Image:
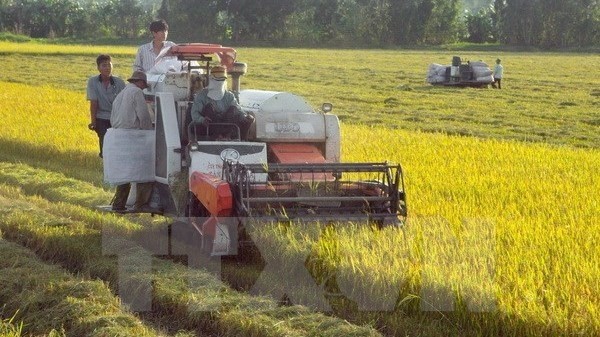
(216, 104)
(130, 111)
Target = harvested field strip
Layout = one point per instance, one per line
(48, 300)
(193, 299)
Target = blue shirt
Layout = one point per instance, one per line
(104, 95)
(221, 107)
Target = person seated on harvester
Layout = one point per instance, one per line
(216, 104)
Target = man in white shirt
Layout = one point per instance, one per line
(147, 53)
(130, 111)
(498, 72)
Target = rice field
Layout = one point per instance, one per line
(501, 237)
(502, 187)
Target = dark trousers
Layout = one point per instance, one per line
(497, 81)
(101, 126)
(142, 195)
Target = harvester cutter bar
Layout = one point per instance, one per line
(316, 190)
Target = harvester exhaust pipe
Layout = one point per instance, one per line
(237, 71)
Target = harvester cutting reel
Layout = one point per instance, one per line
(322, 192)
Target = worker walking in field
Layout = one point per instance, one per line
(216, 104)
(101, 92)
(498, 72)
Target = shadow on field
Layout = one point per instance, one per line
(73, 164)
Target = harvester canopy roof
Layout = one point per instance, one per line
(194, 51)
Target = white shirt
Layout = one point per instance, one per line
(498, 71)
(129, 110)
(145, 57)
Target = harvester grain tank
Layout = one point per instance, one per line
(288, 169)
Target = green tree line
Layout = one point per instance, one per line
(352, 23)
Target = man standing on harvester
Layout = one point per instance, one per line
(129, 115)
(216, 104)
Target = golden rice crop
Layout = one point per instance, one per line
(45, 116)
(45, 48)
(499, 227)
(501, 236)
(48, 126)
(508, 224)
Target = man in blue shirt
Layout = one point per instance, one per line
(101, 92)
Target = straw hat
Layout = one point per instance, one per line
(138, 76)
(219, 73)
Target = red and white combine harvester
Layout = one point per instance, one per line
(288, 169)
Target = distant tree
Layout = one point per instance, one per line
(408, 19)
(587, 28)
(71, 18)
(194, 20)
(444, 24)
(129, 18)
(372, 22)
(37, 18)
(480, 26)
(544, 23)
(341, 22)
(520, 21)
(81, 23)
(260, 20)
(474, 6)
(562, 25)
(548, 23)
(164, 10)
(324, 21)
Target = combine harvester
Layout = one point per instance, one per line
(475, 74)
(288, 169)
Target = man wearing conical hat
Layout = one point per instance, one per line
(130, 112)
(216, 104)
